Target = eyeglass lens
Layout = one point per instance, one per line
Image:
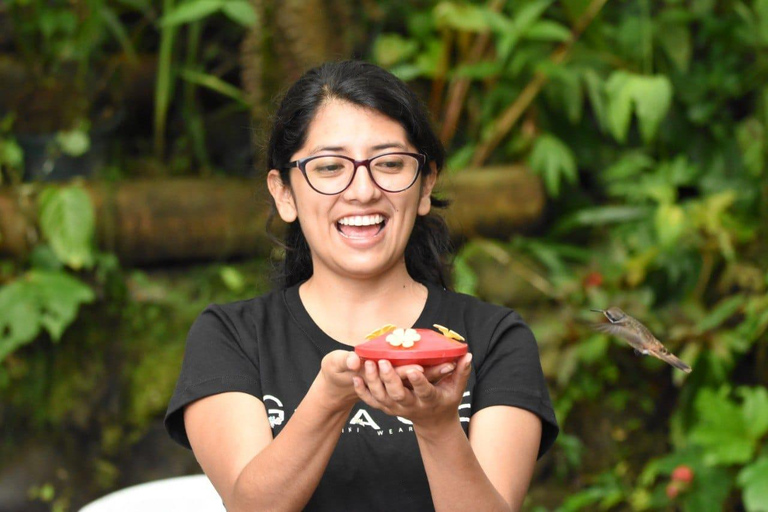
(332, 174)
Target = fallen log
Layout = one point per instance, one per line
(186, 219)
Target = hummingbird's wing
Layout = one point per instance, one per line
(623, 332)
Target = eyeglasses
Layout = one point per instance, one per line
(333, 174)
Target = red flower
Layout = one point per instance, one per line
(682, 473)
(672, 490)
(593, 279)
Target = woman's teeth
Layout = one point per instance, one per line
(361, 226)
(362, 220)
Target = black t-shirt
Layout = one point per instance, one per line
(271, 348)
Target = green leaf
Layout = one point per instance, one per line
(618, 89)
(711, 486)
(464, 276)
(724, 310)
(676, 41)
(753, 479)
(546, 30)
(214, 83)
(73, 143)
(653, 97)
(240, 11)
(554, 161)
(59, 296)
(391, 49)
(39, 299)
(188, 12)
(461, 16)
(721, 429)
(669, 223)
(19, 317)
(233, 278)
(67, 222)
(754, 408)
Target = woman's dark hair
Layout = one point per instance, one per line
(369, 86)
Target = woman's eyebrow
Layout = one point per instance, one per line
(377, 147)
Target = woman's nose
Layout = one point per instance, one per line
(362, 187)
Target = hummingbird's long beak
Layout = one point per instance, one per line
(597, 310)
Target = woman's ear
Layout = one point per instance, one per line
(283, 196)
(425, 201)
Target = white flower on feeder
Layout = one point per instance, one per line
(403, 337)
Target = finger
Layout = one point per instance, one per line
(354, 362)
(363, 393)
(373, 381)
(437, 372)
(422, 388)
(392, 381)
(402, 371)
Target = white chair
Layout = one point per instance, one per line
(193, 493)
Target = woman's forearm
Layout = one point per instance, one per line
(285, 474)
(456, 479)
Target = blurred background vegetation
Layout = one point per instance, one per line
(643, 124)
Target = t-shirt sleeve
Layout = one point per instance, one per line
(215, 361)
(510, 374)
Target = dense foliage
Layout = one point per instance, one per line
(648, 124)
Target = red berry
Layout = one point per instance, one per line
(672, 490)
(593, 279)
(682, 473)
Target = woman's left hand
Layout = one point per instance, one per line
(428, 404)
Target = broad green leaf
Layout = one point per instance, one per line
(390, 49)
(618, 90)
(652, 97)
(19, 317)
(464, 276)
(721, 429)
(480, 70)
(755, 410)
(428, 60)
(47, 299)
(753, 479)
(11, 154)
(461, 16)
(59, 297)
(233, 278)
(240, 11)
(676, 41)
(553, 161)
(188, 12)
(547, 30)
(73, 143)
(711, 487)
(670, 224)
(67, 222)
(631, 165)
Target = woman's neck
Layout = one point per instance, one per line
(348, 309)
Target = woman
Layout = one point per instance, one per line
(278, 409)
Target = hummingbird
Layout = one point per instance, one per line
(638, 336)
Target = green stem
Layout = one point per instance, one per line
(164, 83)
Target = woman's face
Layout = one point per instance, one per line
(342, 128)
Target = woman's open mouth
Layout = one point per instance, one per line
(361, 226)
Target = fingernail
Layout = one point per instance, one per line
(447, 369)
(383, 365)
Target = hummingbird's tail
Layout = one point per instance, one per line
(674, 361)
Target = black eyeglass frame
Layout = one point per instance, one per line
(302, 165)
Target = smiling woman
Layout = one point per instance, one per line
(352, 165)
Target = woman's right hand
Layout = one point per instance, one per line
(338, 367)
